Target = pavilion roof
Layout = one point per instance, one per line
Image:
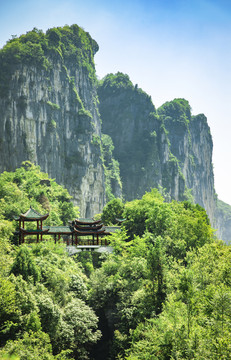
(32, 215)
(84, 221)
(64, 230)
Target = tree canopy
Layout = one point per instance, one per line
(29, 186)
(163, 293)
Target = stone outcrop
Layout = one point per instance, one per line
(49, 116)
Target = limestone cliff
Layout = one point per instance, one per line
(141, 139)
(50, 115)
(49, 112)
(223, 220)
(190, 142)
(166, 148)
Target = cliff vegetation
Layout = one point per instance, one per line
(50, 110)
(37, 48)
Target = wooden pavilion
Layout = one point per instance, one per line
(31, 216)
(78, 232)
(95, 229)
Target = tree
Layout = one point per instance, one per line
(156, 260)
(32, 346)
(112, 211)
(78, 329)
(8, 310)
(24, 265)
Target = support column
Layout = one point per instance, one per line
(19, 240)
(41, 227)
(23, 238)
(38, 230)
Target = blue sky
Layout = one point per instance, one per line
(170, 48)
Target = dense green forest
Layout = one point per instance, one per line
(164, 293)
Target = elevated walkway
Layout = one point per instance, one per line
(72, 250)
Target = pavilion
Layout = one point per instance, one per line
(87, 232)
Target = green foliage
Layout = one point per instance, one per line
(33, 345)
(177, 110)
(164, 292)
(182, 225)
(116, 81)
(54, 308)
(53, 106)
(79, 328)
(28, 186)
(6, 231)
(84, 112)
(111, 168)
(194, 321)
(136, 212)
(85, 258)
(24, 265)
(151, 271)
(156, 261)
(40, 49)
(8, 309)
(112, 211)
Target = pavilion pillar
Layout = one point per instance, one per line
(19, 231)
(97, 235)
(23, 239)
(38, 232)
(41, 227)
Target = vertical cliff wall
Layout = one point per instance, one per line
(140, 139)
(190, 142)
(167, 147)
(49, 111)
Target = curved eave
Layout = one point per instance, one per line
(120, 220)
(25, 218)
(90, 223)
(92, 232)
(88, 228)
(33, 232)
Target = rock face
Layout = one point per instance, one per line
(223, 221)
(50, 115)
(190, 142)
(49, 111)
(166, 148)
